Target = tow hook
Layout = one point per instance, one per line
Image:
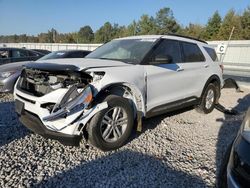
(226, 111)
(229, 83)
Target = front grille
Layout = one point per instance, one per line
(25, 99)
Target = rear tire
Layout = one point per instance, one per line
(110, 128)
(208, 99)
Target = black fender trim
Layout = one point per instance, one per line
(212, 79)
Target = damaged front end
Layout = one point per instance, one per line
(39, 79)
(56, 97)
(73, 101)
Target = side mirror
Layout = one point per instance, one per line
(163, 59)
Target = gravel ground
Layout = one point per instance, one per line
(181, 149)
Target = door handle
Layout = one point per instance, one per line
(180, 69)
(206, 66)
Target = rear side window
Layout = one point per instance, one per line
(191, 52)
(19, 53)
(211, 52)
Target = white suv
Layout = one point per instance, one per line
(103, 96)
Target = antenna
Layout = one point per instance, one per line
(231, 34)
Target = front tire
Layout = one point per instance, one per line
(208, 99)
(110, 128)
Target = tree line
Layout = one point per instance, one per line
(164, 22)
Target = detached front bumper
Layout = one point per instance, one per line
(33, 123)
(64, 125)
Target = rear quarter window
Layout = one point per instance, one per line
(191, 52)
(211, 52)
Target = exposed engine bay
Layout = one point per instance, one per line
(39, 80)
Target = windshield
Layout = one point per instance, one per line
(127, 50)
(54, 55)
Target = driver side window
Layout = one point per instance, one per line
(167, 52)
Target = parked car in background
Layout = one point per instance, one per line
(66, 54)
(10, 72)
(9, 55)
(101, 96)
(235, 170)
(45, 52)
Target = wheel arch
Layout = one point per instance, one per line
(215, 80)
(138, 97)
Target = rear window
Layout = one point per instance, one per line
(54, 55)
(76, 55)
(192, 52)
(211, 52)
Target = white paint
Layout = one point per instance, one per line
(162, 84)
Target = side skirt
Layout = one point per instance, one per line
(183, 103)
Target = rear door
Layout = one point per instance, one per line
(195, 67)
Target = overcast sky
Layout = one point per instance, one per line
(35, 16)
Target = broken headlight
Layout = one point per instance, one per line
(97, 76)
(71, 103)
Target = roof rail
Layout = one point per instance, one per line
(172, 34)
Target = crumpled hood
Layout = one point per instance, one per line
(13, 66)
(84, 63)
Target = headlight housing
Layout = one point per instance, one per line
(6, 74)
(69, 105)
(97, 76)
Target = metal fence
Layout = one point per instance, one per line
(52, 46)
(236, 57)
